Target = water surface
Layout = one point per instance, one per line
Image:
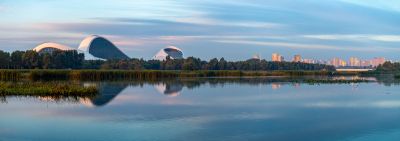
(210, 110)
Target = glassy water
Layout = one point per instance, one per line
(210, 110)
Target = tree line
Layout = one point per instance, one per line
(192, 63)
(33, 60)
(74, 60)
(388, 67)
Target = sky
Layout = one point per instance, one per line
(235, 30)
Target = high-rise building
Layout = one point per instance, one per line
(277, 57)
(337, 62)
(297, 58)
(355, 62)
(309, 61)
(377, 61)
(365, 63)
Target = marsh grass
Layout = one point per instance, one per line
(45, 89)
(99, 75)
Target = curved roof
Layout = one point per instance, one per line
(51, 45)
(85, 44)
(100, 47)
(173, 47)
(163, 53)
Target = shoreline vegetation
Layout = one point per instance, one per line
(28, 73)
(46, 89)
(109, 75)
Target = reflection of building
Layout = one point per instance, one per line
(94, 47)
(275, 86)
(297, 58)
(277, 57)
(171, 51)
(107, 92)
(171, 90)
(50, 47)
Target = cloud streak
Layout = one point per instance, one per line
(357, 37)
(304, 46)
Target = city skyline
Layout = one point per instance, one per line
(232, 29)
(336, 61)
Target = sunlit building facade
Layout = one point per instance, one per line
(354, 62)
(277, 57)
(297, 58)
(51, 47)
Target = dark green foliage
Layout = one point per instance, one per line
(33, 60)
(74, 60)
(94, 75)
(388, 67)
(192, 63)
(4, 59)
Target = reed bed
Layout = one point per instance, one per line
(99, 75)
(45, 89)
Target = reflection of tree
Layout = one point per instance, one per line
(3, 99)
(173, 87)
(387, 80)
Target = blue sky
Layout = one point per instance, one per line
(235, 30)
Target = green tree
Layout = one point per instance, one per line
(4, 59)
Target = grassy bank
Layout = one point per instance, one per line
(45, 89)
(96, 75)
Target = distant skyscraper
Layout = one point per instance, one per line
(337, 62)
(355, 62)
(377, 61)
(309, 61)
(277, 57)
(297, 58)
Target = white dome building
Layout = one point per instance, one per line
(172, 51)
(93, 47)
(50, 47)
(96, 46)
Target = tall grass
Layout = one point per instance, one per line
(98, 75)
(12, 75)
(45, 89)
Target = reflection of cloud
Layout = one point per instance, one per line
(275, 86)
(356, 104)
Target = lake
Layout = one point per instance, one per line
(210, 109)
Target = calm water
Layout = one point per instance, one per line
(210, 110)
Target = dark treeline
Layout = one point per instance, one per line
(192, 63)
(74, 60)
(388, 67)
(32, 60)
